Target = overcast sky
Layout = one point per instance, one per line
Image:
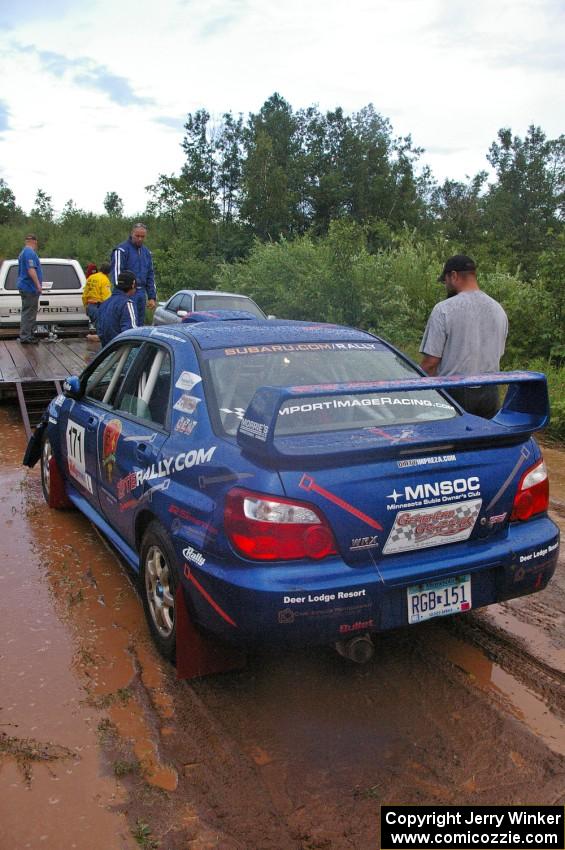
(93, 97)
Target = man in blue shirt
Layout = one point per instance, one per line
(117, 313)
(30, 279)
(134, 256)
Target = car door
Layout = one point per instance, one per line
(80, 419)
(131, 439)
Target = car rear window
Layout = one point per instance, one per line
(227, 302)
(55, 276)
(236, 377)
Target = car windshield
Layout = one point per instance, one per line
(55, 276)
(227, 302)
(236, 377)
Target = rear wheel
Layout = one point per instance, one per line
(158, 579)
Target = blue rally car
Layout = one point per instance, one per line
(292, 483)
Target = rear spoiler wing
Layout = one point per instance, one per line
(525, 410)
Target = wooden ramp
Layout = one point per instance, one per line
(35, 372)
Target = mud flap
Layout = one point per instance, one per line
(199, 655)
(57, 495)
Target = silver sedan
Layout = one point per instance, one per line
(187, 301)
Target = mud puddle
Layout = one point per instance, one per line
(101, 747)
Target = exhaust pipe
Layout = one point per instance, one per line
(358, 649)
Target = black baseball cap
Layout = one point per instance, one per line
(457, 263)
(126, 280)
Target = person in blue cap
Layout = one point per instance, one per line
(29, 283)
(117, 313)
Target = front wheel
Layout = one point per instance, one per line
(158, 580)
(46, 455)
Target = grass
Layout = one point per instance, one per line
(142, 834)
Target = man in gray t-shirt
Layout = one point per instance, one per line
(465, 335)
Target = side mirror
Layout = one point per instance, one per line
(182, 314)
(71, 386)
(270, 316)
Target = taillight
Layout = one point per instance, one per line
(267, 528)
(532, 496)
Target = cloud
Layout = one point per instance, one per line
(55, 63)
(117, 88)
(217, 26)
(168, 121)
(87, 73)
(4, 117)
(11, 14)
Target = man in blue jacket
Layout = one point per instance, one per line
(134, 256)
(117, 313)
(29, 283)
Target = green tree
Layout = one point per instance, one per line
(199, 170)
(9, 210)
(272, 174)
(524, 208)
(113, 204)
(42, 206)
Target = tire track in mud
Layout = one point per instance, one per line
(515, 658)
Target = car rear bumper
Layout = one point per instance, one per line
(307, 604)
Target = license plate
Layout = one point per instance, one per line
(439, 598)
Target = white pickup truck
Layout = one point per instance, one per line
(60, 302)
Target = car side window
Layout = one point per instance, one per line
(146, 390)
(186, 303)
(104, 382)
(174, 304)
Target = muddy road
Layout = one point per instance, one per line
(101, 748)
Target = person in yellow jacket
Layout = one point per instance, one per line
(96, 290)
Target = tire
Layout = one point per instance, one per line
(46, 455)
(52, 482)
(158, 582)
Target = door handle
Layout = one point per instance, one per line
(144, 452)
(92, 423)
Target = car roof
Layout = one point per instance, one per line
(64, 260)
(208, 292)
(211, 335)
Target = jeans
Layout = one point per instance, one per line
(30, 304)
(91, 312)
